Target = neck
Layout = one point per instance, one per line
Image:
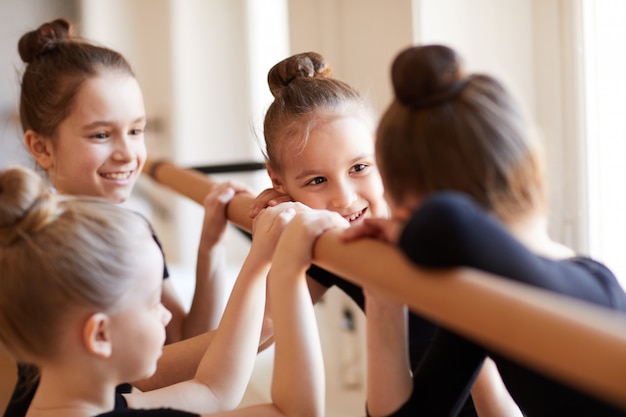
(532, 231)
(71, 394)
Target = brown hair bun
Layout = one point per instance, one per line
(46, 38)
(304, 65)
(428, 75)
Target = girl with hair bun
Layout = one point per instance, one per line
(80, 297)
(319, 150)
(465, 187)
(83, 116)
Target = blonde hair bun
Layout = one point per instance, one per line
(26, 205)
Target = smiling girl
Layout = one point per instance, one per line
(83, 116)
(319, 137)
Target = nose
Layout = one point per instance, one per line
(123, 149)
(166, 316)
(344, 194)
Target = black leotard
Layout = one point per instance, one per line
(449, 230)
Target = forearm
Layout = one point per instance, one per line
(389, 383)
(490, 396)
(171, 301)
(298, 378)
(178, 363)
(211, 291)
(228, 362)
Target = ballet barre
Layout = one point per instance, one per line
(576, 342)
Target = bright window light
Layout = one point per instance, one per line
(605, 79)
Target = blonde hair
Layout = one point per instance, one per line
(305, 96)
(449, 131)
(58, 253)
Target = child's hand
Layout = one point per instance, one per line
(386, 230)
(268, 226)
(215, 204)
(295, 247)
(267, 198)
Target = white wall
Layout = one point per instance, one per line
(532, 47)
(359, 38)
(17, 18)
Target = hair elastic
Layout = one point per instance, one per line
(439, 97)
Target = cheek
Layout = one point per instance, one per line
(152, 328)
(141, 150)
(373, 192)
(85, 154)
(78, 164)
(316, 200)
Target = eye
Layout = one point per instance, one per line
(100, 135)
(316, 181)
(359, 167)
(136, 131)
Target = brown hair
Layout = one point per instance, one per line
(57, 64)
(306, 95)
(449, 131)
(58, 253)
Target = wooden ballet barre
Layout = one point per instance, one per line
(195, 186)
(576, 342)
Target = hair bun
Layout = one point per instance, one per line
(26, 205)
(46, 38)
(304, 65)
(424, 76)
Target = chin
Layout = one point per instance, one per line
(117, 197)
(148, 372)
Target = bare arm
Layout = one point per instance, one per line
(178, 363)
(298, 380)
(490, 396)
(389, 378)
(298, 377)
(389, 382)
(224, 370)
(211, 290)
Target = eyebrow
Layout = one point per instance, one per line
(99, 123)
(310, 172)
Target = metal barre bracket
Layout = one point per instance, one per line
(231, 167)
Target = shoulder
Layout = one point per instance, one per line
(602, 275)
(592, 267)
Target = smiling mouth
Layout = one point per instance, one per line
(355, 216)
(117, 176)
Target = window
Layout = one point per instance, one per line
(604, 33)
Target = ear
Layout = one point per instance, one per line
(40, 147)
(97, 335)
(277, 181)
